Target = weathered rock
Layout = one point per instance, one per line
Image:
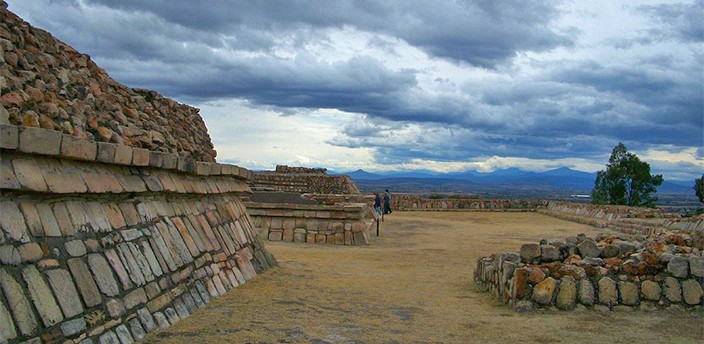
(586, 292)
(530, 252)
(543, 291)
(692, 292)
(549, 253)
(610, 251)
(608, 293)
(567, 293)
(536, 276)
(678, 267)
(672, 289)
(696, 266)
(651, 290)
(629, 293)
(588, 249)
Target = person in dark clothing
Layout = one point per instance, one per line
(387, 202)
(377, 202)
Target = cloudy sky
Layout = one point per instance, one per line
(412, 85)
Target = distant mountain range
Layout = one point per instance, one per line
(561, 179)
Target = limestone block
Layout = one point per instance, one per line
(543, 291)
(678, 267)
(106, 152)
(9, 136)
(48, 220)
(39, 141)
(215, 169)
(115, 217)
(650, 290)
(9, 255)
(135, 298)
(586, 292)
(610, 251)
(41, 296)
(696, 266)
(608, 293)
(170, 161)
(101, 183)
(68, 180)
(588, 249)
(8, 180)
(672, 289)
(65, 291)
(171, 315)
(115, 307)
(109, 337)
(137, 330)
(30, 252)
(21, 309)
(146, 319)
(180, 307)
(75, 248)
(140, 157)
(31, 217)
(12, 221)
(63, 219)
(76, 148)
(156, 159)
(97, 217)
(7, 328)
(630, 295)
(549, 253)
(103, 274)
(73, 327)
(123, 334)
(530, 251)
(692, 292)
(123, 155)
(86, 285)
(567, 293)
(27, 171)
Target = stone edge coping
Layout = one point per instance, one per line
(54, 143)
(352, 207)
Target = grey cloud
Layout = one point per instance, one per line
(680, 21)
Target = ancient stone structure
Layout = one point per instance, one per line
(47, 84)
(302, 180)
(306, 205)
(659, 265)
(416, 202)
(337, 224)
(111, 225)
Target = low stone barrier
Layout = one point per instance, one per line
(104, 243)
(606, 273)
(341, 224)
(416, 202)
(318, 183)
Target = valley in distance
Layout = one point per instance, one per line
(562, 184)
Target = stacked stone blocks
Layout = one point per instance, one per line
(411, 202)
(341, 224)
(102, 242)
(612, 272)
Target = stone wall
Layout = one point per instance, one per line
(416, 202)
(340, 224)
(297, 169)
(317, 183)
(47, 84)
(608, 273)
(105, 242)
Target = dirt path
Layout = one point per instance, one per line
(412, 285)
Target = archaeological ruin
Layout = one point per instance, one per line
(117, 221)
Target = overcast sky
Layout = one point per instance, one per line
(421, 85)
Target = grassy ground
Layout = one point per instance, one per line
(413, 285)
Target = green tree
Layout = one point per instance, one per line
(626, 181)
(699, 188)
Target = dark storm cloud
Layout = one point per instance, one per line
(679, 21)
(484, 33)
(564, 107)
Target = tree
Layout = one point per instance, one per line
(626, 181)
(699, 188)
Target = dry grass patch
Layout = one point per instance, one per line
(412, 285)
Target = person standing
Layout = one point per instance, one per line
(387, 202)
(377, 203)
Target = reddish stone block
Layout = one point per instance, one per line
(140, 157)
